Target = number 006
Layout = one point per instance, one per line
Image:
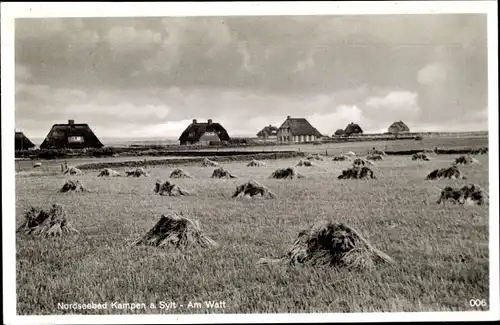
(478, 303)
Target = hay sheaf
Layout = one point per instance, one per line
(374, 157)
(70, 186)
(108, 172)
(451, 172)
(179, 173)
(42, 223)
(359, 162)
(306, 163)
(341, 158)
(137, 172)
(222, 173)
(420, 156)
(357, 173)
(286, 173)
(315, 157)
(332, 244)
(465, 160)
(256, 163)
(168, 189)
(376, 152)
(468, 194)
(480, 151)
(177, 232)
(253, 189)
(209, 163)
(72, 171)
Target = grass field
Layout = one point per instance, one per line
(441, 251)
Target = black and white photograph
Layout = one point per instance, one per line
(249, 162)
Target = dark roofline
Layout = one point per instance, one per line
(66, 124)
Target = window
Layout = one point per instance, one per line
(75, 139)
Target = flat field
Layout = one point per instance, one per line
(441, 251)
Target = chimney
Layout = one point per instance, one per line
(209, 121)
(288, 117)
(71, 122)
(194, 121)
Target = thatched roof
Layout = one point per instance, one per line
(299, 126)
(22, 142)
(339, 132)
(196, 130)
(71, 135)
(269, 130)
(353, 128)
(398, 127)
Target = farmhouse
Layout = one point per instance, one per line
(398, 127)
(268, 132)
(71, 135)
(22, 142)
(297, 130)
(352, 128)
(204, 133)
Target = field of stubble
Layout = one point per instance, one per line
(441, 252)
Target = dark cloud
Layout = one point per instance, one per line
(146, 75)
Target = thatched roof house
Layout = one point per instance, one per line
(269, 131)
(353, 128)
(204, 133)
(339, 132)
(22, 142)
(398, 127)
(71, 135)
(297, 130)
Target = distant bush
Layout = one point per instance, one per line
(419, 138)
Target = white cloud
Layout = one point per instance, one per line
(129, 38)
(396, 105)
(305, 64)
(432, 74)
(328, 123)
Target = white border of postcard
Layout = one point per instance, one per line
(10, 11)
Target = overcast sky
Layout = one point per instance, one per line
(149, 77)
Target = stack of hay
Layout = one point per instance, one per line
(358, 162)
(108, 172)
(51, 223)
(314, 157)
(470, 194)
(256, 163)
(331, 244)
(357, 173)
(465, 160)
(222, 173)
(252, 189)
(306, 163)
(69, 185)
(209, 163)
(286, 173)
(451, 172)
(374, 157)
(420, 156)
(138, 172)
(177, 232)
(73, 171)
(341, 158)
(179, 173)
(169, 189)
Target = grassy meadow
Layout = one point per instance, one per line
(441, 251)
